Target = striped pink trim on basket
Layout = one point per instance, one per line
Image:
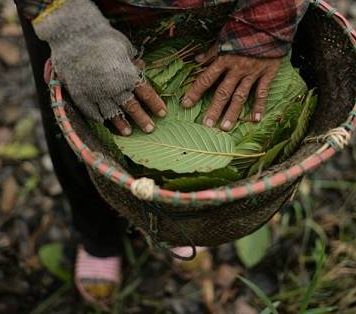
(212, 195)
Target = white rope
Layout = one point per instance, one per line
(143, 189)
(339, 136)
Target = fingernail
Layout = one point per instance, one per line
(200, 58)
(209, 123)
(126, 131)
(257, 117)
(226, 125)
(186, 102)
(162, 113)
(149, 128)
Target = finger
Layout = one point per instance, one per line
(203, 83)
(141, 118)
(237, 101)
(221, 97)
(261, 96)
(139, 63)
(122, 125)
(208, 56)
(148, 96)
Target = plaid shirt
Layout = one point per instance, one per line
(261, 28)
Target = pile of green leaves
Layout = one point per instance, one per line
(182, 154)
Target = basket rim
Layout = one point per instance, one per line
(217, 195)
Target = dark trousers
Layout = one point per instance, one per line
(99, 226)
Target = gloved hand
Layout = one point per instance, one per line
(95, 63)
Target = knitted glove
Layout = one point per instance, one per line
(91, 58)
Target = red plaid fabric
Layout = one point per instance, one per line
(261, 28)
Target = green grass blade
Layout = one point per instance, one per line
(260, 294)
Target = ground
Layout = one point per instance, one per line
(310, 261)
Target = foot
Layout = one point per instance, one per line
(97, 278)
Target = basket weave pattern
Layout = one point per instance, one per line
(325, 52)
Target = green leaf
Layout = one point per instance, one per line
(167, 74)
(242, 130)
(189, 184)
(51, 256)
(174, 85)
(319, 257)
(286, 87)
(180, 146)
(106, 138)
(302, 125)
(252, 248)
(323, 310)
(259, 293)
(178, 112)
(267, 310)
(246, 148)
(18, 151)
(267, 160)
(160, 53)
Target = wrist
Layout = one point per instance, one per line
(69, 19)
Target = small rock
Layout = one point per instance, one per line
(51, 185)
(11, 30)
(47, 163)
(9, 53)
(8, 195)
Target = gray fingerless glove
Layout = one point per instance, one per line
(91, 58)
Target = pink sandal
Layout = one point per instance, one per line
(96, 268)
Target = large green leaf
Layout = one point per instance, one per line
(181, 146)
(177, 112)
(252, 248)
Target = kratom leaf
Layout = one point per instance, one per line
(176, 82)
(106, 139)
(189, 184)
(241, 130)
(228, 173)
(265, 161)
(246, 148)
(177, 112)
(166, 75)
(197, 182)
(252, 248)
(180, 146)
(301, 125)
(286, 87)
(158, 54)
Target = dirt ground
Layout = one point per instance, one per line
(310, 261)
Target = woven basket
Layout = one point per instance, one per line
(325, 52)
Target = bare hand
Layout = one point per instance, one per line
(240, 74)
(145, 94)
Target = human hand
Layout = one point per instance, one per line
(240, 74)
(95, 63)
